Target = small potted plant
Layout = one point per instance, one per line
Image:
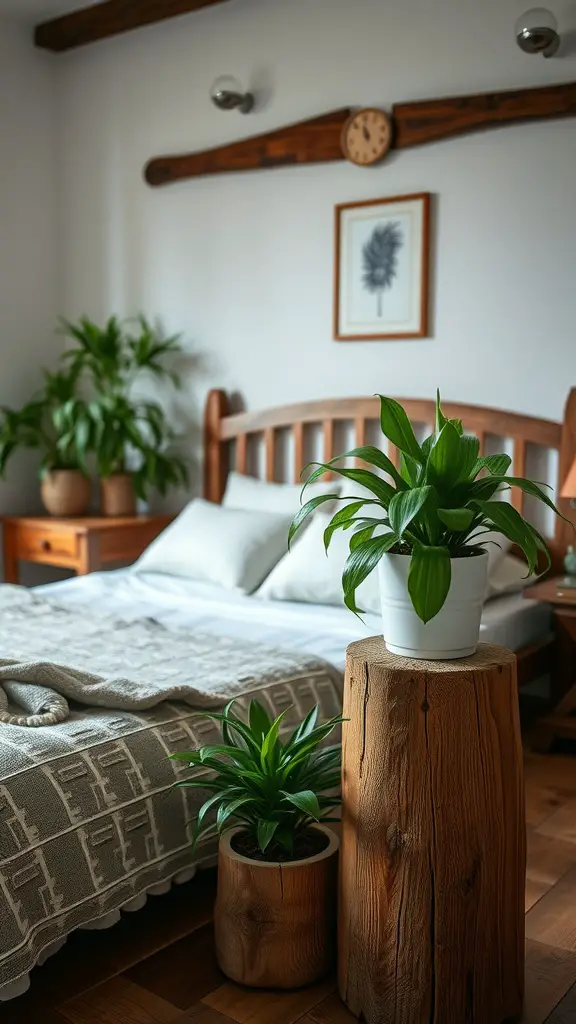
(275, 914)
(132, 439)
(136, 434)
(425, 528)
(57, 424)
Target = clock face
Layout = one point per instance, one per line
(367, 137)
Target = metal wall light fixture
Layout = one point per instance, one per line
(227, 94)
(537, 32)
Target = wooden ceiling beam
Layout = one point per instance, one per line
(319, 139)
(315, 141)
(103, 20)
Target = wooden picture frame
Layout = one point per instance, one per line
(382, 262)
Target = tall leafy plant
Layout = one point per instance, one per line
(54, 422)
(274, 790)
(438, 505)
(122, 430)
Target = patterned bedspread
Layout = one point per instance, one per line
(86, 819)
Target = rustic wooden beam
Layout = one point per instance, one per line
(319, 140)
(432, 120)
(309, 142)
(100, 21)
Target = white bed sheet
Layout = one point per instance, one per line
(318, 629)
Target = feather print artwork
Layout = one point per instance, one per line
(380, 259)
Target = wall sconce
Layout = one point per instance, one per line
(537, 32)
(227, 94)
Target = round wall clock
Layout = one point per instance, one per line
(367, 137)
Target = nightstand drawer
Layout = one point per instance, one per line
(36, 545)
(83, 544)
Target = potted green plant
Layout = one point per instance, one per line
(426, 527)
(56, 424)
(132, 439)
(277, 862)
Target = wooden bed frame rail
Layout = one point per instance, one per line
(227, 433)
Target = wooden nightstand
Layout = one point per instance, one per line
(82, 544)
(562, 721)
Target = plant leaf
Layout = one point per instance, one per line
(229, 722)
(496, 465)
(309, 743)
(305, 511)
(265, 833)
(360, 564)
(409, 470)
(446, 458)
(503, 517)
(363, 477)
(482, 489)
(405, 506)
(207, 806)
(260, 722)
(306, 727)
(440, 417)
(468, 453)
(231, 736)
(269, 752)
(362, 535)
(529, 487)
(427, 445)
(226, 810)
(542, 546)
(429, 579)
(374, 457)
(306, 801)
(397, 428)
(457, 519)
(340, 520)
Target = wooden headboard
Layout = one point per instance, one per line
(226, 438)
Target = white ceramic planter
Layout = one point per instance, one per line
(454, 632)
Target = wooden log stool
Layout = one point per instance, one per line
(433, 857)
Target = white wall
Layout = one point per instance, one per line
(28, 244)
(243, 264)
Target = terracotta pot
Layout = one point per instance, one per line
(65, 492)
(275, 923)
(117, 495)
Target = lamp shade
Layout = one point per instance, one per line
(569, 485)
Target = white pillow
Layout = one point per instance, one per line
(249, 493)
(508, 577)
(232, 547)
(307, 574)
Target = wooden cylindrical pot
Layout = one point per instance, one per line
(65, 492)
(433, 859)
(275, 924)
(117, 495)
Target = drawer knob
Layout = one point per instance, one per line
(46, 545)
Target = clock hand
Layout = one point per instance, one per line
(366, 133)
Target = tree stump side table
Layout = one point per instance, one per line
(433, 857)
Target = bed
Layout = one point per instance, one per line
(318, 629)
(110, 769)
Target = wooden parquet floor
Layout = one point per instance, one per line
(158, 965)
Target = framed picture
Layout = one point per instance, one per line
(382, 262)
